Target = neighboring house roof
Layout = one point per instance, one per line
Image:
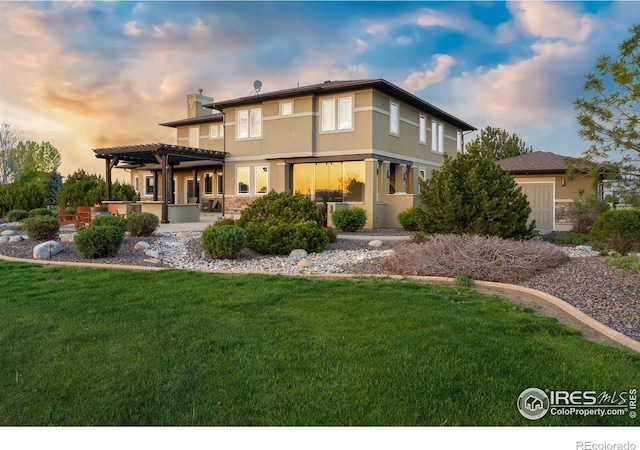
(535, 162)
(339, 86)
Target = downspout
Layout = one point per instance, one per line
(224, 150)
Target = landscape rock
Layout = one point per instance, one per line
(544, 232)
(7, 233)
(298, 253)
(41, 251)
(67, 237)
(152, 254)
(376, 243)
(15, 239)
(4, 239)
(304, 264)
(142, 245)
(584, 248)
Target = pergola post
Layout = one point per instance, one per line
(166, 188)
(108, 178)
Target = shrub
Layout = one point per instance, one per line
(225, 221)
(471, 194)
(42, 212)
(277, 237)
(567, 239)
(411, 219)
(98, 242)
(110, 221)
(223, 241)
(331, 234)
(81, 189)
(41, 228)
(277, 223)
(584, 211)
(17, 215)
(617, 230)
(475, 257)
(349, 219)
(142, 224)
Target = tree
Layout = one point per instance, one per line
(9, 139)
(81, 189)
(498, 143)
(42, 157)
(471, 194)
(609, 118)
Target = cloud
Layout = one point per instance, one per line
(551, 20)
(131, 28)
(419, 80)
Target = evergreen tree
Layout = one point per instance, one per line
(471, 194)
(497, 143)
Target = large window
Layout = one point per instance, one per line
(394, 119)
(249, 123)
(262, 179)
(337, 118)
(255, 123)
(242, 179)
(437, 137)
(330, 182)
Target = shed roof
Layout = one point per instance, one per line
(535, 162)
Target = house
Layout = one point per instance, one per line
(359, 143)
(543, 178)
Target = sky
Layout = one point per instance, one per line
(84, 75)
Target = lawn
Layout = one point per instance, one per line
(113, 347)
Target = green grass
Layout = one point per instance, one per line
(630, 262)
(568, 239)
(111, 347)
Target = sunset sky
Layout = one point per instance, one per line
(94, 74)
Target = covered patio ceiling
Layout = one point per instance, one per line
(166, 155)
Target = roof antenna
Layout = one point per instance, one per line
(200, 91)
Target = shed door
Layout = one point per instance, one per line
(541, 200)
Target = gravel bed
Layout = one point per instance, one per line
(608, 294)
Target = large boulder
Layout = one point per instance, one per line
(44, 249)
(298, 253)
(7, 233)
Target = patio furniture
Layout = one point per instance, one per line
(210, 205)
(84, 216)
(113, 210)
(67, 218)
(192, 200)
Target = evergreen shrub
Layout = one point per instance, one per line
(277, 223)
(17, 215)
(223, 241)
(349, 219)
(617, 231)
(41, 228)
(98, 242)
(142, 224)
(411, 218)
(42, 212)
(110, 221)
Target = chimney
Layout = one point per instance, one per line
(195, 102)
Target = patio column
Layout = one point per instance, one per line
(108, 178)
(166, 188)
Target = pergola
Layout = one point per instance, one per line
(166, 155)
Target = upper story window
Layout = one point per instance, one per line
(287, 109)
(437, 137)
(459, 142)
(213, 131)
(337, 115)
(394, 119)
(249, 123)
(423, 130)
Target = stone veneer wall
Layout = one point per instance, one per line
(563, 220)
(235, 205)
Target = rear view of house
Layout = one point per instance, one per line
(359, 143)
